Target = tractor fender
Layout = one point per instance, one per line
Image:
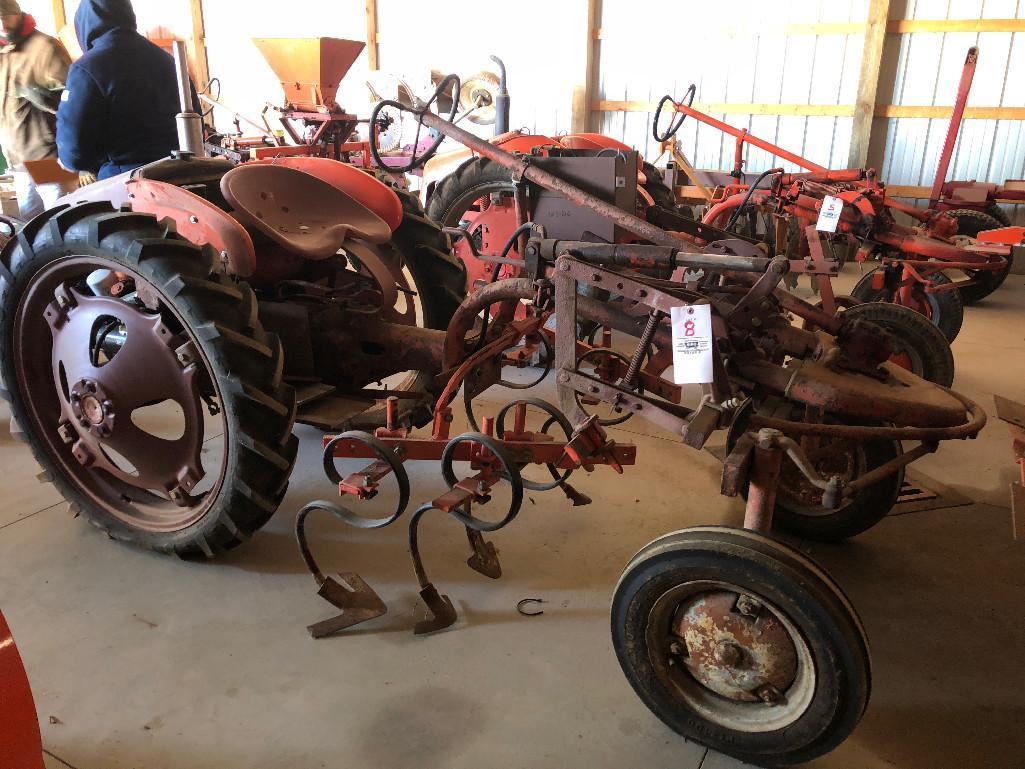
(360, 185)
(21, 745)
(113, 189)
(196, 220)
(589, 141)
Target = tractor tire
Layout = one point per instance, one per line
(969, 224)
(659, 191)
(946, 310)
(473, 179)
(926, 350)
(798, 509)
(440, 278)
(232, 369)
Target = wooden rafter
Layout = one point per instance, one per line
(373, 52)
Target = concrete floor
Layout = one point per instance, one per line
(145, 662)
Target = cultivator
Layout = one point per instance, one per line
(912, 258)
(268, 292)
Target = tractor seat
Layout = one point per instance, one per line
(300, 212)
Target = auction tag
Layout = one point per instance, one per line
(829, 214)
(692, 344)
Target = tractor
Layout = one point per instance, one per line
(161, 331)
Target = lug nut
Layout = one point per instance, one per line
(748, 606)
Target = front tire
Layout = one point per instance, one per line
(920, 347)
(742, 644)
(191, 339)
(944, 308)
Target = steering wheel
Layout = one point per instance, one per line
(414, 160)
(688, 97)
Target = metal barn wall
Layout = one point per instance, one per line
(735, 52)
(923, 69)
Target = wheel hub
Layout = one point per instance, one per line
(735, 647)
(91, 406)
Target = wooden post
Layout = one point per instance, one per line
(60, 16)
(197, 45)
(868, 81)
(585, 93)
(373, 62)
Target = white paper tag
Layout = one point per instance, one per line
(829, 214)
(692, 344)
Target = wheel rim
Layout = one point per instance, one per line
(108, 418)
(489, 225)
(730, 656)
(833, 457)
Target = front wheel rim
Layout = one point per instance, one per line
(702, 639)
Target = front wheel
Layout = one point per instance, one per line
(918, 345)
(799, 510)
(143, 380)
(943, 308)
(742, 644)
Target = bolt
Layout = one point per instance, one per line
(769, 694)
(593, 389)
(62, 301)
(677, 649)
(748, 606)
(728, 653)
(367, 480)
(194, 219)
(108, 408)
(756, 322)
(84, 423)
(482, 488)
(66, 432)
(104, 431)
(90, 387)
(641, 293)
(564, 266)
(768, 437)
(564, 378)
(596, 277)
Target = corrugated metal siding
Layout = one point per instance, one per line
(736, 52)
(927, 72)
(541, 43)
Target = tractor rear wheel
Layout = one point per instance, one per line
(145, 385)
(969, 224)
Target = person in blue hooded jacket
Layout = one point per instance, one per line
(118, 109)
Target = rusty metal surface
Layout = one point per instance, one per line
(197, 220)
(766, 464)
(733, 653)
(301, 212)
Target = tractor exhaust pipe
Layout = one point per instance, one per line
(501, 100)
(190, 123)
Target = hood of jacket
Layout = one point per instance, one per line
(95, 18)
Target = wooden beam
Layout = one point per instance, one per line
(893, 27)
(373, 53)
(907, 26)
(60, 15)
(970, 113)
(718, 108)
(196, 45)
(868, 82)
(585, 91)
